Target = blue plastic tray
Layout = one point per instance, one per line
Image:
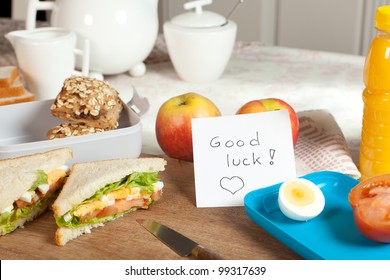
(332, 235)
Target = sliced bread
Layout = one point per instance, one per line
(15, 89)
(7, 75)
(26, 96)
(19, 174)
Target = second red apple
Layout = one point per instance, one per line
(272, 104)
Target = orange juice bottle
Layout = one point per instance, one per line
(375, 140)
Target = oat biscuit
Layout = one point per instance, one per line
(71, 129)
(88, 101)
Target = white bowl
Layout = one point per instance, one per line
(200, 54)
(23, 129)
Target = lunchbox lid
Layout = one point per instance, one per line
(198, 18)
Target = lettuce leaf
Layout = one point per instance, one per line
(41, 179)
(75, 221)
(143, 180)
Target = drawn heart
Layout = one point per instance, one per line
(232, 185)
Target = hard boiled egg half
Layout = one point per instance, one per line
(300, 199)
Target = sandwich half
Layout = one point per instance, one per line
(100, 191)
(29, 185)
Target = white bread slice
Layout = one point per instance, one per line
(7, 75)
(63, 234)
(15, 89)
(18, 174)
(25, 97)
(88, 177)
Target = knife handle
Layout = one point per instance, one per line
(201, 253)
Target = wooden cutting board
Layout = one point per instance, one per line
(227, 230)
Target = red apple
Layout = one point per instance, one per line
(173, 123)
(272, 104)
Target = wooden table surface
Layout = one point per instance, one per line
(227, 231)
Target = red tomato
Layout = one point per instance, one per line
(370, 201)
(120, 206)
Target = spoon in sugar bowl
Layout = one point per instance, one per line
(235, 8)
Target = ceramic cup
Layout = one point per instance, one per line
(46, 57)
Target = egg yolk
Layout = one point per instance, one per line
(55, 175)
(299, 194)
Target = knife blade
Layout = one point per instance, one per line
(182, 245)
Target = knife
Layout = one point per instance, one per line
(182, 245)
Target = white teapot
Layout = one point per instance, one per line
(121, 33)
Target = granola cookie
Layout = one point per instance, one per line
(71, 129)
(88, 101)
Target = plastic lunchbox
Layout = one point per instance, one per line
(23, 129)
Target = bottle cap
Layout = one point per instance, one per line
(382, 18)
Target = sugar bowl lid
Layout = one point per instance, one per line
(198, 18)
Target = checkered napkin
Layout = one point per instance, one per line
(321, 145)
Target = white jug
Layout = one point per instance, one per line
(122, 33)
(46, 57)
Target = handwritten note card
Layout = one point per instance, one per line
(240, 153)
